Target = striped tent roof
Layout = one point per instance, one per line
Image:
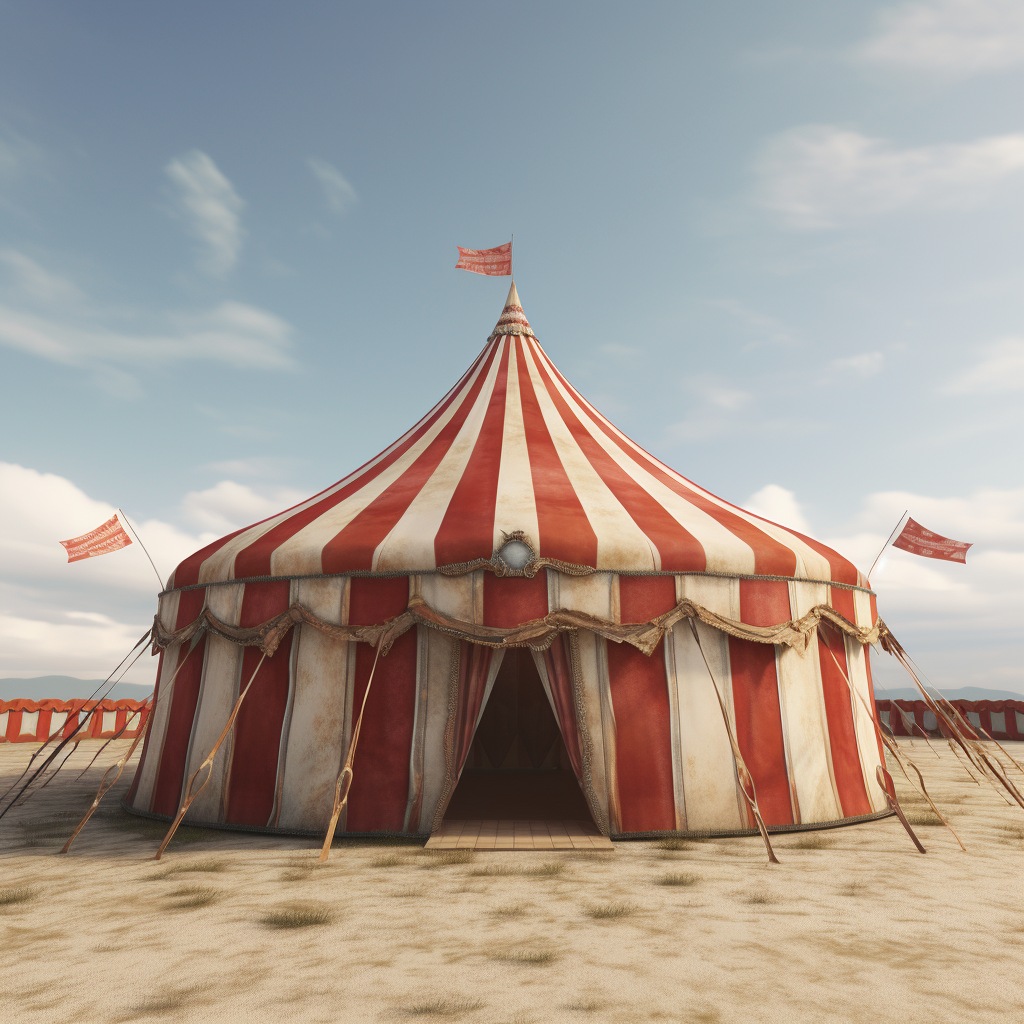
(514, 450)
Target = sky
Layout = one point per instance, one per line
(778, 245)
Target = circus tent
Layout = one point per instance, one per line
(677, 641)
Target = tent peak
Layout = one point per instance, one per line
(513, 319)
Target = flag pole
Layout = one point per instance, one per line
(143, 546)
(886, 544)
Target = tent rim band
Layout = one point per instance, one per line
(569, 570)
(736, 833)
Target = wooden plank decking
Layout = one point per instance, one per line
(479, 834)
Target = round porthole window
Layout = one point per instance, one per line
(516, 554)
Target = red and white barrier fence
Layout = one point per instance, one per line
(1001, 719)
(34, 721)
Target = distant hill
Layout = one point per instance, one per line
(962, 693)
(66, 688)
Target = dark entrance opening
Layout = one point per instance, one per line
(518, 766)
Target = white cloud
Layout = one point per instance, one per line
(228, 505)
(1002, 369)
(81, 618)
(952, 37)
(33, 281)
(778, 505)
(340, 194)
(821, 176)
(212, 207)
(232, 333)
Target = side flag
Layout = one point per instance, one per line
(919, 541)
(493, 262)
(101, 541)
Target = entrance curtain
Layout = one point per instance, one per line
(556, 673)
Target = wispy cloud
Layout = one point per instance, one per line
(1001, 369)
(340, 194)
(778, 505)
(716, 413)
(950, 37)
(864, 364)
(35, 282)
(821, 176)
(212, 209)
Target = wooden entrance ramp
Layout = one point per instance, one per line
(480, 834)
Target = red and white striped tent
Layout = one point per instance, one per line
(515, 516)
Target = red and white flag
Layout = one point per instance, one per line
(101, 541)
(919, 541)
(493, 262)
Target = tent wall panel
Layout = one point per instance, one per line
(217, 695)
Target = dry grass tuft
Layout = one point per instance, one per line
(387, 860)
(675, 843)
(585, 1005)
(549, 869)
(201, 866)
(447, 858)
(510, 910)
(19, 894)
(163, 1004)
(762, 897)
(812, 841)
(444, 1006)
(1011, 832)
(298, 916)
(411, 892)
(524, 955)
(610, 911)
(923, 817)
(683, 878)
(852, 889)
(191, 896)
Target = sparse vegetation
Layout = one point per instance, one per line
(18, 894)
(675, 843)
(510, 910)
(812, 841)
(762, 897)
(198, 866)
(447, 858)
(610, 911)
(682, 878)
(191, 896)
(524, 955)
(387, 860)
(549, 869)
(923, 817)
(304, 916)
(443, 1006)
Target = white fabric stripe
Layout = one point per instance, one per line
(725, 551)
(150, 764)
(595, 595)
(862, 609)
(463, 598)
(301, 553)
(294, 589)
(803, 718)
(708, 795)
(411, 539)
(621, 544)
(220, 565)
(314, 744)
(433, 679)
(809, 562)
(217, 695)
(516, 507)
(867, 742)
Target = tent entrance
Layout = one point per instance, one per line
(518, 767)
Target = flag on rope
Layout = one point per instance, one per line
(919, 541)
(101, 541)
(493, 262)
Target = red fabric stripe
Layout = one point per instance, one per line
(556, 661)
(353, 547)
(770, 557)
(187, 573)
(184, 696)
(755, 691)
(565, 530)
(874, 713)
(512, 600)
(846, 766)
(639, 690)
(467, 530)
(257, 732)
(149, 733)
(841, 570)
(380, 785)
(678, 548)
(255, 559)
(842, 601)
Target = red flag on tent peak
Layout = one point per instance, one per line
(101, 541)
(919, 541)
(495, 262)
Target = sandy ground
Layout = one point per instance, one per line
(854, 925)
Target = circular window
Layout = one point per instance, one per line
(516, 554)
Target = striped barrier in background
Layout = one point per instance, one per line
(33, 721)
(1001, 719)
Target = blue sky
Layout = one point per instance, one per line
(778, 244)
